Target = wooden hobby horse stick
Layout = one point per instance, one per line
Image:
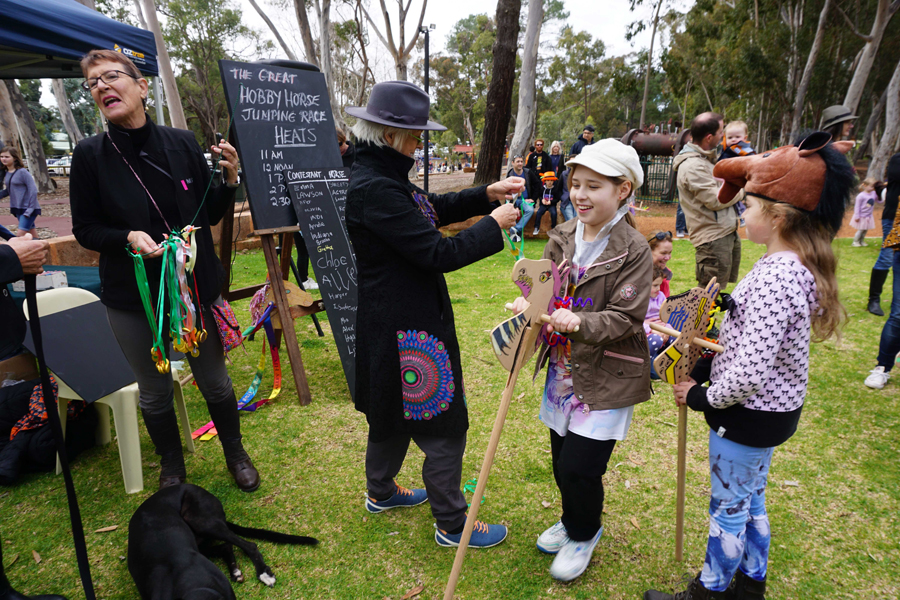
(515, 342)
(688, 313)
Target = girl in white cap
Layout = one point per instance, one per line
(599, 368)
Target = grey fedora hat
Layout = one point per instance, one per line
(836, 114)
(396, 104)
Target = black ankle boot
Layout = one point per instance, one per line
(164, 433)
(745, 588)
(227, 421)
(876, 285)
(8, 593)
(694, 591)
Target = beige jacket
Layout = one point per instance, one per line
(610, 359)
(707, 218)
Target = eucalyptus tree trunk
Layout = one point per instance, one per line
(309, 48)
(868, 138)
(499, 96)
(649, 63)
(37, 163)
(891, 135)
(800, 98)
(8, 130)
(176, 111)
(287, 51)
(527, 107)
(886, 10)
(323, 11)
(65, 111)
(399, 49)
(140, 15)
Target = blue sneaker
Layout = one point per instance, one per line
(573, 558)
(402, 497)
(483, 536)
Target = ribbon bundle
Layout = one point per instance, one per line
(246, 403)
(178, 259)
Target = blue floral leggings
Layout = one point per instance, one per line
(738, 523)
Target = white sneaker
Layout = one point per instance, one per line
(679, 234)
(856, 245)
(309, 284)
(877, 378)
(536, 232)
(553, 539)
(514, 235)
(573, 558)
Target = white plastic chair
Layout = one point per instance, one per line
(123, 402)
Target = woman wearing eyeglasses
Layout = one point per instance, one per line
(128, 188)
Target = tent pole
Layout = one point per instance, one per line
(158, 101)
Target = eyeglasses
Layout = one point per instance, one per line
(418, 138)
(108, 78)
(661, 235)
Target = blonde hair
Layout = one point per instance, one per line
(740, 124)
(374, 133)
(867, 182)
(811, 240)
(555, 144)
(616, 181)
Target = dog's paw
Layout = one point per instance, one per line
(237, 575)
(267, 578)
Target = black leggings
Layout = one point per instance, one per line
(579, 464)
(542, 208)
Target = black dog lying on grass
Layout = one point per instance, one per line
(175, 532)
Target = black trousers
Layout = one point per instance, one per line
(539, 214)
(302, 256)
(441, 472)
(579, 464)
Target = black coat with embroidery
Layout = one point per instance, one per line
(408, 371)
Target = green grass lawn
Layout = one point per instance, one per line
(833, 496)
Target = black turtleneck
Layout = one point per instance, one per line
(153, 169)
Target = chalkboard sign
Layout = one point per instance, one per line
(282, 122)
(320, 196)
(293, 174)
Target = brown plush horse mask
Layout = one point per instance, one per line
(795, 175)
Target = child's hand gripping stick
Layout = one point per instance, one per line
(547, 318)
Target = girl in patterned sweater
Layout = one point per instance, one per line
(796, 199)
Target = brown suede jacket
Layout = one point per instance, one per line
(610, 359)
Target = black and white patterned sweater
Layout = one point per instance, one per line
(758, 384)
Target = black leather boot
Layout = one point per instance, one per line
(745, 588)
(694, 591)
(8, 593)
(876, 285)
(163, 430)
(227, 421)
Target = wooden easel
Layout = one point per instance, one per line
(278, 269)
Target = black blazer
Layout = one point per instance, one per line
(108, 202)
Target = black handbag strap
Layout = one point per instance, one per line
(84, 567)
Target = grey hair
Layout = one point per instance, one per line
(374, 133)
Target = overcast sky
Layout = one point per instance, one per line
(606, 20)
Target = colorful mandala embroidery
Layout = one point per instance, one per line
(426, 374)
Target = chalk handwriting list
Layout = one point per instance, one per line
(283, 123)
(320, 197)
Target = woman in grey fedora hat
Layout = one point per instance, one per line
(838, 121)
(409, 379)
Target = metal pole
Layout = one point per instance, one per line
(425, 136)
(158, 100)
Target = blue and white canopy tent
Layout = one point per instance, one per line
(45, 39)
